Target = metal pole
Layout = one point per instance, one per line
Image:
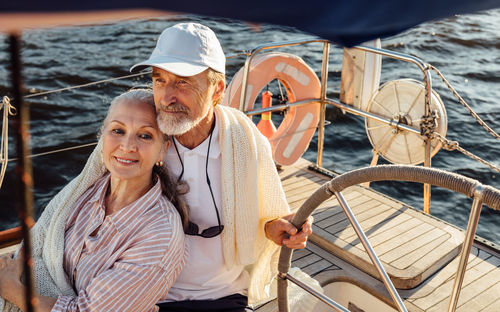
(371, 253)
(273, 45)
(23, 166)
(395, 55)
(391, 122)
(427, 187)
(358, 112)
(324, 80)
(466, 247)
(428, 146)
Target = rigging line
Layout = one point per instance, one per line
(464, 103)
(8, 109)
(95, 143)
(86, 84)
(108, 80)
(57, 151)
(453, 145)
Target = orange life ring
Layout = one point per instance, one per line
(299, 124)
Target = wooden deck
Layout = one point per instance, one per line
(411, 245)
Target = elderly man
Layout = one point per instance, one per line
(235, 195)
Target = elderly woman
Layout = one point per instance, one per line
(122, 232)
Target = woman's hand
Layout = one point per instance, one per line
(10, 270)
(11, 287)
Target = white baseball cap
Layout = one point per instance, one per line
(186, 49)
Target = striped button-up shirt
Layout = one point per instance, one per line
(125, 261)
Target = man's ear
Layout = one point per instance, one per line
(219, 91)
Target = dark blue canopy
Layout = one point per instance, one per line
(346, 22)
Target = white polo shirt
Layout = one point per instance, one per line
(205, 275)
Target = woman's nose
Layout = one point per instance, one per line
(129, 144)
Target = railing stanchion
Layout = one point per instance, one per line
(428, 145)
(321, 125)
(427, 187)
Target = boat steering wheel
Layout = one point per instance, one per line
(455, 182)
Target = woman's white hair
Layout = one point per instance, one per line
(140, 95)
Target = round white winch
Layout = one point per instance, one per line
(403, 101)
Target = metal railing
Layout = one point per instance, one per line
(323, 100)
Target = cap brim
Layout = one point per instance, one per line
(174, 66)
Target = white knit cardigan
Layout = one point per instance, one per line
(251, 195)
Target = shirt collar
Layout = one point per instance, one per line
(201, 149)
(100, 188)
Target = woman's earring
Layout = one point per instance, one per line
(159, 163)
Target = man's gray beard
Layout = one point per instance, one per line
(175, 125)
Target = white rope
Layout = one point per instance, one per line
(57, 151)
(11, 110)
(86, 85)
(8, 109)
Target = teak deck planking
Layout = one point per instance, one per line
(411, 245)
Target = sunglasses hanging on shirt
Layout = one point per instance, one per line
(192, 228)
